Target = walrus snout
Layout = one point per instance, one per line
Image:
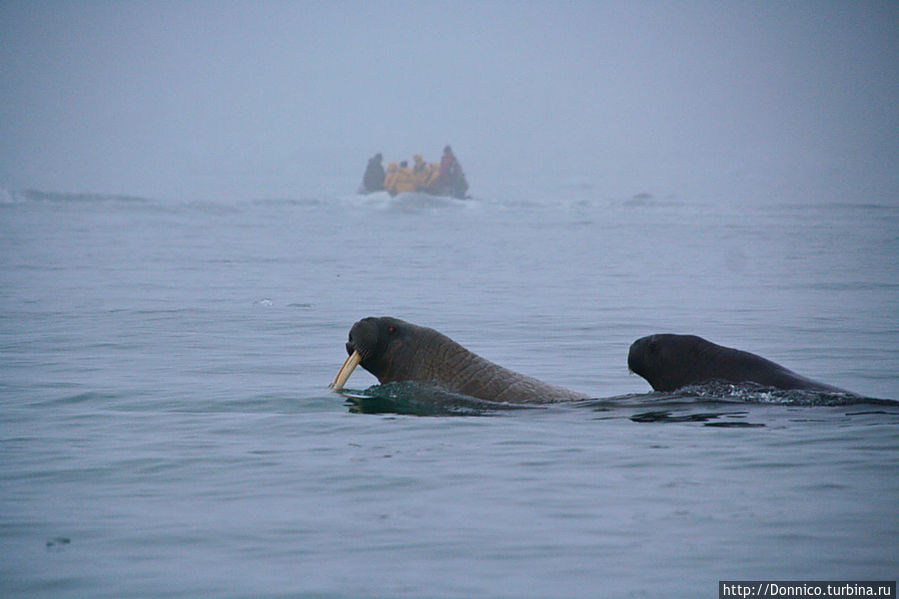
(637, 354)
(632, 356)
(362, 342)
(363, 337)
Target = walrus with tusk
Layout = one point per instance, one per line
(395, 350)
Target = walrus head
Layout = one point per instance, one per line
(384, 346)
(669, 361)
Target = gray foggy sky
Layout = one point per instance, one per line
(260, 99)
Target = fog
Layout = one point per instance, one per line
(205, 100)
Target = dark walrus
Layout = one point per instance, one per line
(395, 350)
(669, 362)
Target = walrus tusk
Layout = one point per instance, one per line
(346, 370)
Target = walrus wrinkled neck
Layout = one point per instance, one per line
(458, 369)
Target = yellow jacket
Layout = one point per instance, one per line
(433, 171)
(421, 173)
(390, 178)
(405, 180)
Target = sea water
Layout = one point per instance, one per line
(167, 431)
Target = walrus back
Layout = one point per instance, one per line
(743, 366)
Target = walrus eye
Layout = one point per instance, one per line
(391, 330)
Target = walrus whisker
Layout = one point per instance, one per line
(346, 370)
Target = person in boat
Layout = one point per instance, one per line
(433, 172)
(405, 179)
(450, 179)
(421, 172)
(373, 179)
(393, 170)
(446, 164)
